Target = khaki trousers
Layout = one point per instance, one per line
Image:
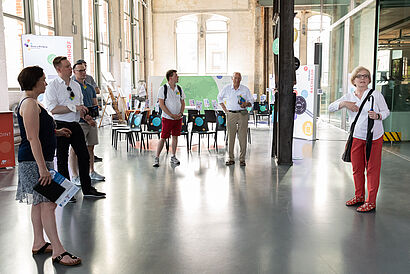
(237, 122)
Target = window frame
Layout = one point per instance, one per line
(28, 20)
(201, 34)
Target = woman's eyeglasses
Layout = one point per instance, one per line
(72, 95)
(363, 76)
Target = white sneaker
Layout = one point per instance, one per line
(76, 180)
(175, 161)
(156, 162)
(97, 177)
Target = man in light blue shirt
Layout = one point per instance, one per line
(237, 97)
(89, 127)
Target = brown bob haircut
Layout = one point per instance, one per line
(29, 77)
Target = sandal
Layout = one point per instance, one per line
(229, 162)
(61, 256)
(355, 200)
(43, 249)
(366, 207)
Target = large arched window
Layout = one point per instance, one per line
(187, 44)
(202, 44)
(216, 44)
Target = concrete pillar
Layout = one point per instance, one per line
(259, 51)
(286, 78)
(303, 37)
(4, 103)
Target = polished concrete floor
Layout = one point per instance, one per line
(204, 217)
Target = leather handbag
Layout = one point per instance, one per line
(346, 157)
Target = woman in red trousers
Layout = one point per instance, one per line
(351, 101)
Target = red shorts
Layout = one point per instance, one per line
(170, 127)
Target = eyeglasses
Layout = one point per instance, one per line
(363, 76)
(80, 70)
(72, 95)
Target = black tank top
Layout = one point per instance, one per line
(46, 135)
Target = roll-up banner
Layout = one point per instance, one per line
(41, 50)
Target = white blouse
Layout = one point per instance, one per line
(380, 107)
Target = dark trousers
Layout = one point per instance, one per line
(77, 141)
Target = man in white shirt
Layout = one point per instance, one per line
(238, 97)
(171, 101)
(64, 99)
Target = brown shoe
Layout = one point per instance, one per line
(242, 163)
(229, 162)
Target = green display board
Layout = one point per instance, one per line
(198, 88)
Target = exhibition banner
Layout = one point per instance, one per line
(6, 139)
(41, 50)
(306, 100)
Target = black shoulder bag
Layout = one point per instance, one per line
(348, 148)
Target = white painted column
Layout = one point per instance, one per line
(4, 94)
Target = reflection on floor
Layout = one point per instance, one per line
(205, 217)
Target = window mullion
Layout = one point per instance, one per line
(29, 18)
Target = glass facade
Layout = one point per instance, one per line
(350, 42)
(392, 70)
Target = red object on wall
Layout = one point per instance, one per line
(7, 157)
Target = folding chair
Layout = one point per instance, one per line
(220, 126)
(262, 110)
(153, 128)
(210, 117)
(200, 126)
(184, 131)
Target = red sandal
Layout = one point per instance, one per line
(366, 207)
(355, 200)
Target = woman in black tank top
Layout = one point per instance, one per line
(35, 157)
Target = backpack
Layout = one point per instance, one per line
(166, 93)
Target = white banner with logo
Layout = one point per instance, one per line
(306, 100)
(41, 50)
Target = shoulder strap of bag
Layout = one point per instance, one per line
(165, 92)
(360, 110)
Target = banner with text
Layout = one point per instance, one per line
(306, 100)
(41, 50)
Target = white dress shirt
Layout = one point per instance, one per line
(173, 101)
(232, 96)
(57, 95)
(380, 107)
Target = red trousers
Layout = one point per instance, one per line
(358, 157)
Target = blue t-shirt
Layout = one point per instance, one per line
(88, 94)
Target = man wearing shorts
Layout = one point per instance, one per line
(89, 126)
(171, 101)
